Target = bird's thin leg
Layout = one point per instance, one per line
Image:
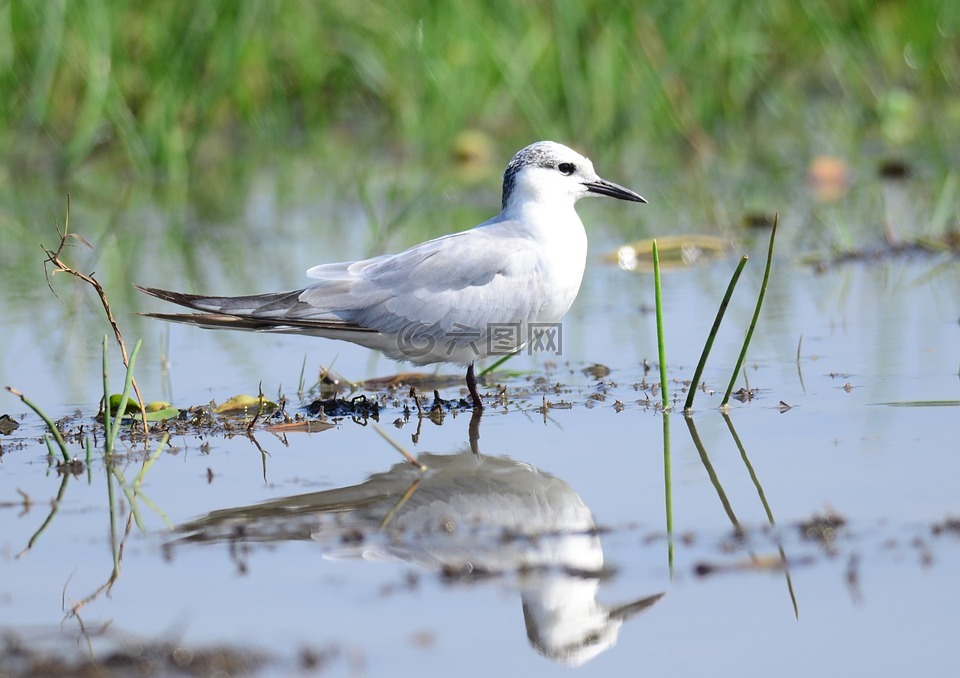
(474, 430)
(472, 387)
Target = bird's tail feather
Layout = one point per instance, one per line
(274, 312)
(215, 321)
(255, 304)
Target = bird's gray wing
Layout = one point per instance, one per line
(435, 302)
(466, 280)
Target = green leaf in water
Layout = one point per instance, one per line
(132, 405)
(159, 411)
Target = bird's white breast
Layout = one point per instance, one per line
(561, 246)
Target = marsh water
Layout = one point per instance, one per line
(810, 529)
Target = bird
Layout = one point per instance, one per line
(469, 517)
(454, 299)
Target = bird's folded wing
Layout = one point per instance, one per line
(465, 280)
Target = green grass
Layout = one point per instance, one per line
(163, 118)
(661, 338)
(721, 310)
(169, 87)
(756, 315)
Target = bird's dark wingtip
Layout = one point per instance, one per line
(180, 298)
(211, 321)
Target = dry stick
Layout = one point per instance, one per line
(400, 502)
(256, 416)
(263, 453)
(713, 334)
(54, 258)
(409, 457)
(756, 313)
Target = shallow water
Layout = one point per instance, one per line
(586, 543)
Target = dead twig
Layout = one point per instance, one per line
(256, 416)
(53, 258)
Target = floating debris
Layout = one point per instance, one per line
(823, 528)
(950, 525)
(596, 370)
(675, 252)
(947, 242)
(302, 426)
(74, 467)
(7, 424)
(766, 563)
(128, 657)
(424, 381)
(441, 405)
(358, 406)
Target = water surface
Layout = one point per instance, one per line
(568, 537)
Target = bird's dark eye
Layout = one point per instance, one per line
(566, 168)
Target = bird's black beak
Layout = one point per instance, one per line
(608, 188)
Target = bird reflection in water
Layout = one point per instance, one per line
(469, 516)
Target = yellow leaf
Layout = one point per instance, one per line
(246, 404)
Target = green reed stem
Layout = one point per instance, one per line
(713, 334)
(55, 506)
(54, 431)
(124, 397)
(303, 370)
(111, 505)
(149, 461)
(495, 365)
(107, 422)
(766, 508)
(661, 347)
(756, 313)
(668, 489)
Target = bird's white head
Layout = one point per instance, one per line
(548, 172)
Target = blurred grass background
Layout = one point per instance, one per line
(214, 126)
(164, 88)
